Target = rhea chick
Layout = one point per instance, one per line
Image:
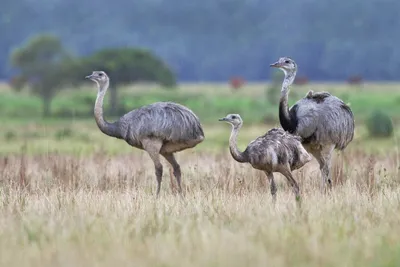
(275, 151)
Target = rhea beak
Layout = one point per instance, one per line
(275, 65)
(89, 76)
(222, 119)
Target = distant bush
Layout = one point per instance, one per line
(10, 135)
(63, 133)
(379, 124)
(124, 66)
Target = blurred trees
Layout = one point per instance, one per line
(45, 66)
(39, 62)
(125, 66)
(215, 40)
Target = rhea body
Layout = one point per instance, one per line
(323, 121)
(275, 151)
(161, 128)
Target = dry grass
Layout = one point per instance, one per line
(59, 210)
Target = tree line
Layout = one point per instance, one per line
(45, 66)
(215, 40)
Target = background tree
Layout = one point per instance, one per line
(213, 40)
(125, 66)
(40, 62)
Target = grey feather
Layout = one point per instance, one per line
(323, 121)
(275, 151)
(161, 128)
(165, 121)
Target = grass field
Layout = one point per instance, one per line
(71, 196)
(209, 101)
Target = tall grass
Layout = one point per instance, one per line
(70, 196)
(59, 210)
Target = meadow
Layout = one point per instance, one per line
(73, 196)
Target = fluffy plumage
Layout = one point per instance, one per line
(161, 128)
(323, 121)
(276, 148)
(275, 151)
(169, 122)
(321, 118)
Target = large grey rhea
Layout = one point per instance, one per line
(275, 151)
(323, 121)
(161, 128)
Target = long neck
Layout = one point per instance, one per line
(109, 129)
(286, 122)
(236, 154)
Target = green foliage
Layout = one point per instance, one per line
(10, 135)
(63, 133)
(40, 63)
(38, 54)
(379, 124)
(207, 102)
(130, 65)
(18, 82)
(123, 66)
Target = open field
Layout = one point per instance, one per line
(71, 196)
(59, 210)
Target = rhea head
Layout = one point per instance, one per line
(99, 77)
(286, 64)
(233, 119)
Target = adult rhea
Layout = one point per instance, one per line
(323, 121)
(161, 128)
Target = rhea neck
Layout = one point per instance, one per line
(236, 154)
(287, 123)
(110, 129)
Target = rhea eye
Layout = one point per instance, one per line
(287, 61)
(100, 74)
(233, 117)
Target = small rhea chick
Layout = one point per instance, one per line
(275, 151)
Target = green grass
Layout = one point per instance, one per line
(82, 137)
(72, 128)
(209, 101)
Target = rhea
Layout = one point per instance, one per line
(275, 151)
(323, 121)
(161, 128)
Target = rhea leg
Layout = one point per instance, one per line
(273, 188)
(324, 157)
(288, 174)
(153, 148)
(177, 169)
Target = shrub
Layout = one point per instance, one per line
(63, 133)
(10, 135)
(379, 124)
